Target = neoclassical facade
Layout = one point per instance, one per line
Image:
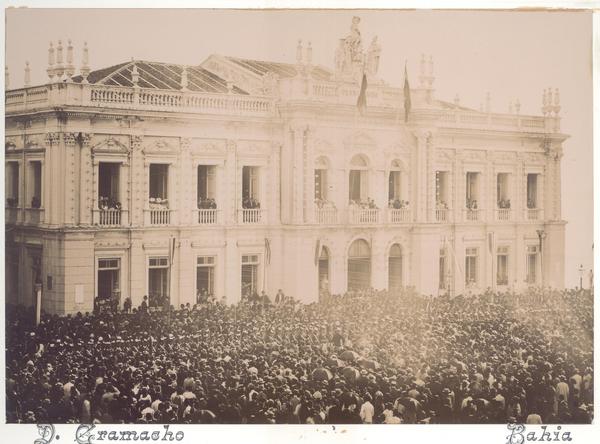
(238, 175)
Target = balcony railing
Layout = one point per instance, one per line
(326, 216)
(34, 216)
(158, 216)
(473, 215)
(251, 216)
(363, 216)
(442, 215)
(533, 214)
(11, 215)
(208, 216)
(503, 214)
(398, 215)
(108, 218)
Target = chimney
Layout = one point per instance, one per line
(50, 70)
(60, 69)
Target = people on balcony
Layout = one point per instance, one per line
(158, 203)
(504, 204)
(250, 203)
(531, 204)
(441, 205)
(397, 204)
(36, 202)
(207, 203)
(11, 202)
(324, 203)
(368, 204)
(108, 203)
(471, 204)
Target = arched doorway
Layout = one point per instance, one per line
(395, 268)
(324, 273)
(359, 265)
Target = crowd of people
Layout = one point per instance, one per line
(363, 357)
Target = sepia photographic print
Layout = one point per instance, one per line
(279, 217)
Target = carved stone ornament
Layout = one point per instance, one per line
(159, 146)
(10, 143)
(109, 145)
(52, 139)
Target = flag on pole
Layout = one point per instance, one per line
(317, 251)
(267, 251)
(407, 103)
(361, 103)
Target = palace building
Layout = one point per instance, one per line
(236, 175)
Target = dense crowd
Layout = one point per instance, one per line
(367, 357)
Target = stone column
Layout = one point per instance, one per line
(137, 189)
(230, 202)
(421, 176)
(298, 174)
(85, 180)
(275, 189)
(287, 193)
(187, 203)
(71, 141)
(53, 199)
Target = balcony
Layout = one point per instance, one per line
(398, 215)
(443, 215)
(534, 214)
(249, 216)
(158, 216)
(11, 215)
(208, 216)
(110, 217)
(34, 216)
(473, 215)
(503, 214)
(362, 216)
(326, 216)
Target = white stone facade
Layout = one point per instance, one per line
(286, 127)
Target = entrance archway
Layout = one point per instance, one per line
(359, 265)
(395, 268)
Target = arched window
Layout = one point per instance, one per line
(359, 265)
(358, 179)
(397, 183)
(395, 268)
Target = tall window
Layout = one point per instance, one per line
(206, 181)
(394, 186)
(250, 265)
(159, 178)
(472, 191)
(108, 278)
(321, 184)
(35, 168)
(502, 194)
(471, 259)
(442, 270)
(158, 281)
(395, 268)
(250, 187)
(441, 189)
(502, 266)
(12, 184)
(357, 179)
(359, 265)
(532, 257)
(532, 192)
(205, 275)
(108, 185)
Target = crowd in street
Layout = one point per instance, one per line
(363, 357)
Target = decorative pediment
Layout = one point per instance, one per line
(254, 148)
(474, 155)
(10, 143)
(159, 146)
(445, 155)
(208, 147)
(505, 156)
(109, 145)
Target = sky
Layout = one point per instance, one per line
(509, 54)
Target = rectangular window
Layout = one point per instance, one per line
(532, 197)
(472, 190)
(355, 185)
(159, 176)
(108, 279)
(321, 184)
(442, 272)
(502, 197)
(441, 189)
(250, 265)
(205, 277)
(471, 259)
(158, 281)
(206, 181)
(12, 184)
(502, 266)
(36, 184)
(532, 255)
(108, 181)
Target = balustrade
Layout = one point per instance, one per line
(251, 216)
(363, 216)
(208, 216)
(326, 216)
(398, 215)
